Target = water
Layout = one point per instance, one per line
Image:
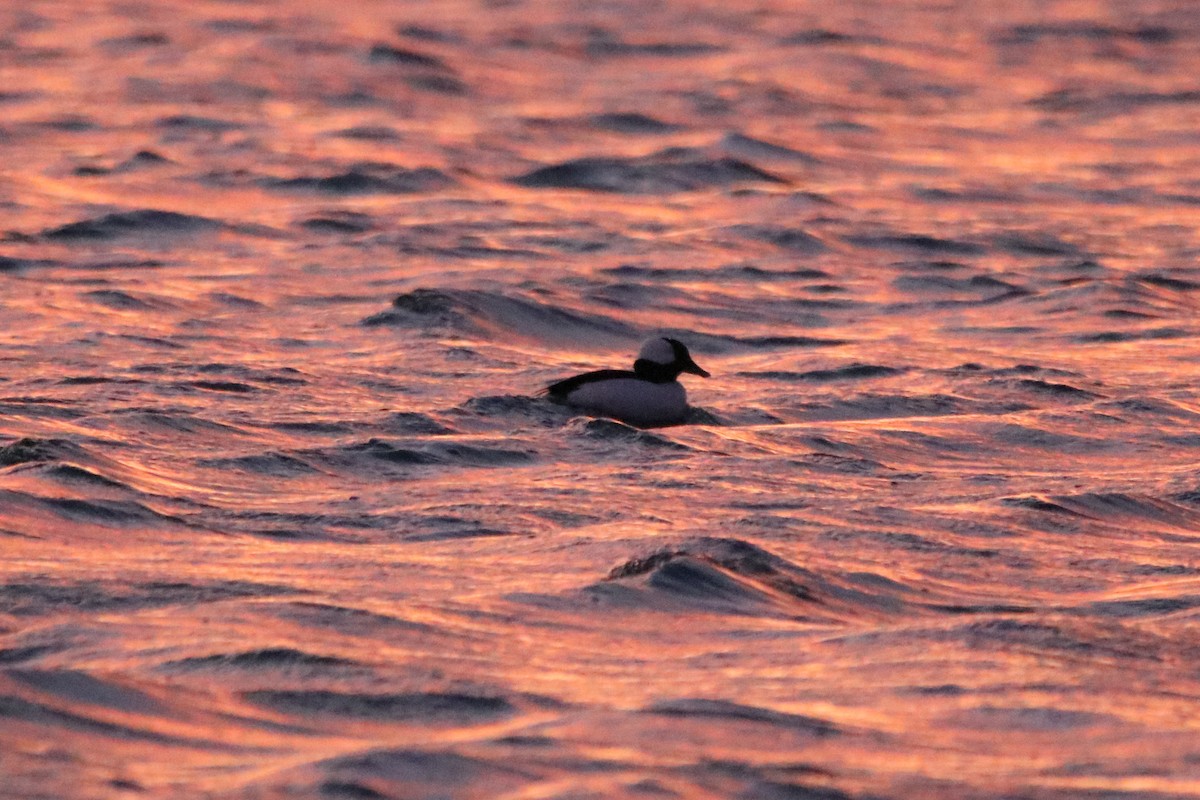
(282, 514)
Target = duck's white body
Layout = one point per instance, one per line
(648, 396)
(638, 402)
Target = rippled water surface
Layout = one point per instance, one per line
(283, 515)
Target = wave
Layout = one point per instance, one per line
(72, 474)
(918, 242)
(748, 273)
(851, 372)
(631, 123)
(421, 71)
(424, 708)
(888, 406)
(605, 43)
(1057, 391)
(1046, 439)
(272, 659)
(177, 421)
(33, 450)
(97, 707)
(77, 686)
(38, 595)
(517, 408)
(9, 264)
(390, 54)
(791, 240)
(272, 463)
(739, 144)
(984, 287)
(10, 656)
(1113, 506)
(414, 772)
(1143, 335)
(490, 313)
(345, 619)
(371, 453)
(141, 222)
(194, 123)
(669, 172)
(732, 576)
(612, 431)
(364, 179)
(1057, 34)
(105, 513)
(1144, 607)
(703, 708)
(1086, 101)
(339, 222)
(502, 317)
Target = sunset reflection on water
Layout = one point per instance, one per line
(284, 514)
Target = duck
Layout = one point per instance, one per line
(648, 396)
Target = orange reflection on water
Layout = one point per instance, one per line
(266, 532)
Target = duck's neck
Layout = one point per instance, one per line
(654, 372)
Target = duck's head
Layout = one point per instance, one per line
(662, 359)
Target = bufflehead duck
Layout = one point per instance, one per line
(647, 396)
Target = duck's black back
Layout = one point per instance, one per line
(568, 385)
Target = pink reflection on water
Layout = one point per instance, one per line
(935, 538)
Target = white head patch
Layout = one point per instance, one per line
(659, 351)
